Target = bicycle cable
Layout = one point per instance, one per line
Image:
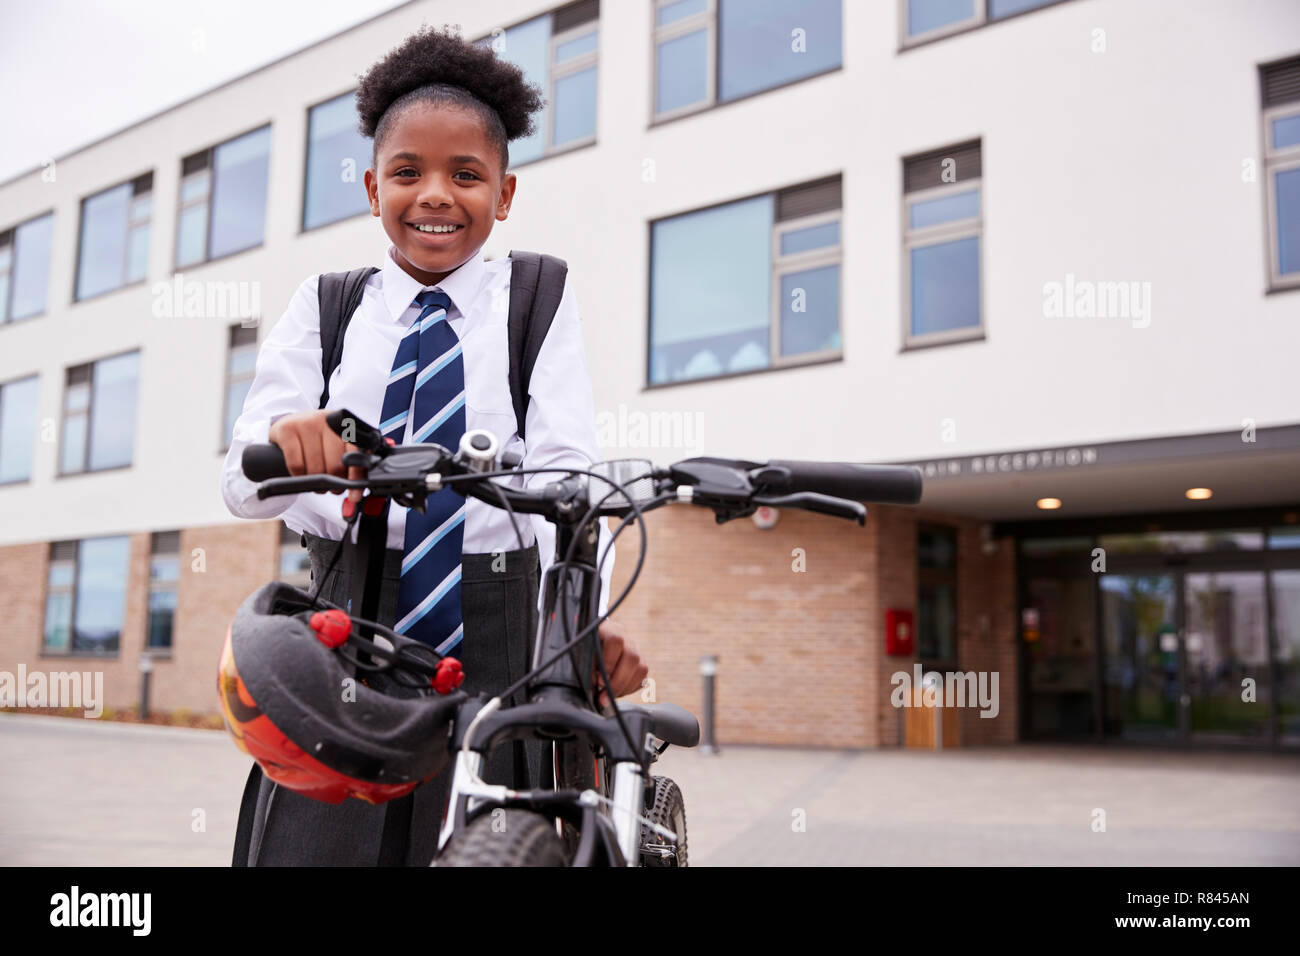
(638, 515)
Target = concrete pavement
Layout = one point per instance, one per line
(88, 793)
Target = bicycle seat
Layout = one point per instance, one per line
(670, 723)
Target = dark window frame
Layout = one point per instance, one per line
(141, 185)
(916, 187)
(568, 21)
(1279, 93)
(235, 332)
(90, 404)
(303, 228)
(978, 22)
(708, 19)
(71, 590)
(161, 543)
(933, 576)
(204, 160)
(11, 236)
(783, 220)
(34, 376)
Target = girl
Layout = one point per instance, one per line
(424, 358)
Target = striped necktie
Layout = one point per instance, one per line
(428, 382)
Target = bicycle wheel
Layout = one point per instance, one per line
(665, 807)
(506, 838)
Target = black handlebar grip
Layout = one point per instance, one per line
(885, 484)
(261, 462)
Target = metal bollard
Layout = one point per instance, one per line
(146, 668)
(931, 681)
(708, 670)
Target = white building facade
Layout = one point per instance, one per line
(1046, 250)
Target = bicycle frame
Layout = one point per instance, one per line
(557, 708)
(598, 761)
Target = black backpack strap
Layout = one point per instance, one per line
(366, 562)
(536, 286)
(396, 839)
(339, 294)
(247, 811)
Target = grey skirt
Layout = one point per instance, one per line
(499, 609)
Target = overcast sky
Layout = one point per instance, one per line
(73, 71)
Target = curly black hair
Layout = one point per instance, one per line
(441, 68)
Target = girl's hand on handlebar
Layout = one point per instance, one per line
(626, 669)
(311, 447)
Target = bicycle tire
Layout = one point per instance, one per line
(668, 809)
(506, 838)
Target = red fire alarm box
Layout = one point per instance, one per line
(898, 632)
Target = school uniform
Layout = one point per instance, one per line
(499, 608)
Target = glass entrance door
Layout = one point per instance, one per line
(1286, 617)
(1059, 634)
(1226, 644)
(1179, 651)
(1140, 641)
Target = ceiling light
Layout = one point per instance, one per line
(1198, 494)
(1049, 504)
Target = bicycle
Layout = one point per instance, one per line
(604, 807)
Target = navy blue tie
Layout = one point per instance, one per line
(427, 385)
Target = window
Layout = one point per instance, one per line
(86, 597)
(240, 365)
(223, 199)
(1175, 542)
(99, 414)
(942, 223)
(713, 51)
(164, 573)
(558, 52)
(336, 151)
(747, 285)
(25, 268)
(295, 560)
(929, 19)
(1280, 84)
(1279, 537)
(114, 248)
(936, 600)
(17, 428)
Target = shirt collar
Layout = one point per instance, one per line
(400, 288)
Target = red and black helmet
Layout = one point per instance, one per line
(327, 712)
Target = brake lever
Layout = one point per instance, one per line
(298, 484)
(353, 430)
(814, 501)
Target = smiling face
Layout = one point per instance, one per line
(437, 169)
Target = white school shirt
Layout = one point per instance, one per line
(561, 423)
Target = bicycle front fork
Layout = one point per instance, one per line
(626, 801)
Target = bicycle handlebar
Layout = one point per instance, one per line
(732, 488)
(264, 461)
(886, 484)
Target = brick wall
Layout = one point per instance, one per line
(792, 645)
(986, 633)
(801, 652)
(237, 559)
(23, 572)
